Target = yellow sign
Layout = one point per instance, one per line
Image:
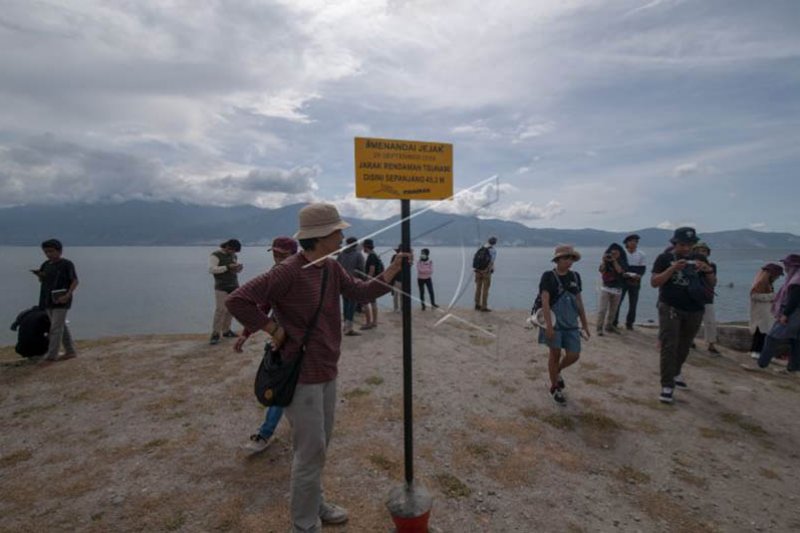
(406, 170)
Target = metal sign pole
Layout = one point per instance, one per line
(408, 424)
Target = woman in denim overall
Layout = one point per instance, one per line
(567, 309)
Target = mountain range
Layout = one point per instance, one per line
(138, 223)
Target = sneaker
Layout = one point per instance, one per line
(612, 329)
(680, 383)
(666, 395)
(214, 339)
(753, 367)
(230, 334)
(477, 307)
(599, 332)
(713, 349)
(558, 397)
(560, 385)
(353, 333)
(66, 356)
(332, 514)
(258, 443)
(486, 310)
(629, 327)
(755, 355)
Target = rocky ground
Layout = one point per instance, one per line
(146, 434)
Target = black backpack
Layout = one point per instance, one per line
(482, 258)
(32, 327)
(378, 264)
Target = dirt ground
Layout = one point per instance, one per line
(147, 433)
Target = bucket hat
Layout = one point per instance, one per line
(685, 235)
(563, 250)
(319, 220)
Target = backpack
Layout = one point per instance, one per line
(32, 326)
(482, 258)
(537, 303)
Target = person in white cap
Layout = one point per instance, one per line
(294, 290)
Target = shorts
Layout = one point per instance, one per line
(566, 339)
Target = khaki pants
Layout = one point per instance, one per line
(607, 309)
(710, 324)
(59, 333)
(483, 280)
(311, 415)
(222, 318)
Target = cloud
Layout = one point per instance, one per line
(693, 169)
(528, 211)
(758, 226)
(671, 226)
(295, 181)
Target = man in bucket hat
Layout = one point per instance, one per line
(293, 288)
(679, 312)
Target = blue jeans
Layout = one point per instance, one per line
(274, 415)
(349, 310)
(770, 350)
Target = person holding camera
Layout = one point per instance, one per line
(637, 265)
(675, 273)
(223, 265)
(612, 270)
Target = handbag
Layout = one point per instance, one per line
(276, 378)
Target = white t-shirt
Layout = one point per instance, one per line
(636, 258)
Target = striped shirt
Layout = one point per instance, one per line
(294, 292)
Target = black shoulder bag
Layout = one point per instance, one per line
(276, 379)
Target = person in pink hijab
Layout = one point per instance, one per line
(762, 294)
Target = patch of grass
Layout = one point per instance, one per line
(599, 422)
(750, 427)
(560, 421)
(714, 433)
(481, 451)
(374, 381)
(631, 475)
(356, 393)
(769, 474)
(175, 522)
(382, 462)
(15, 458)
(25, 412)
(452, 487)
(691, 479)
(155, 443)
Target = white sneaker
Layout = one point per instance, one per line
(332, 514)
(754, 355)
(258, 443)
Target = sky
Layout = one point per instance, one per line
(614, 115)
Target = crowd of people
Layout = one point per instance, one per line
(315, 275)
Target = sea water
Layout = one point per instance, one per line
(150, 290)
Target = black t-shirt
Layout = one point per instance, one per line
(571, 282)
(675, 291)
(373, 260)
(56, 276)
